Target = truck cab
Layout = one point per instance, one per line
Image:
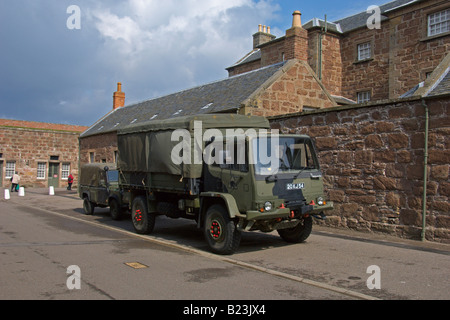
(282, 193)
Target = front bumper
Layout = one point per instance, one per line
(284, 212)
(318, 209)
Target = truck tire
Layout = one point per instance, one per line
(88, 206)
(220, 231)
(143, 222)
(115, 210)
(297, 234)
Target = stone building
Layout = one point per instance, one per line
(356, 62)
(43, 154)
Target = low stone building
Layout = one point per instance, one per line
(43, 154)
(282, 88)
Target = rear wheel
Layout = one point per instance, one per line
(220, 231)
(143, 222)
(299, 233)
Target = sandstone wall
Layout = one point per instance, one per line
(372, 157)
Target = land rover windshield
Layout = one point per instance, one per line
(283, 155)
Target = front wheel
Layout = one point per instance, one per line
(88, 206)
(299, 233)
(115, 210)
(220, 231)
(143, 222)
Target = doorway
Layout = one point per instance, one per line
(53, 175)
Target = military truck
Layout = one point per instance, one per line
(99, 187)
(229, 173)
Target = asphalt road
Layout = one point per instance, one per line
(46, 242)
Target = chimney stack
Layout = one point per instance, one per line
(262, 36)
(296, 43)
(118, 97)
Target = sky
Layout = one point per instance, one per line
(60, 61)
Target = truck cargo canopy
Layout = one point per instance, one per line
(148, 147)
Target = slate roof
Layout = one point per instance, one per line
(253, 55)
(359, 20)
(443, 87)
(222, 96)
(437, 83)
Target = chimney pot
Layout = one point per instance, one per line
(268, 30)
(297, 20)
(260, 28)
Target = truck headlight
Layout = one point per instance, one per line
(268, 206)
(320, 201)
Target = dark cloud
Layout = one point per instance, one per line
(52, 74)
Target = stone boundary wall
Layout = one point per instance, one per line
(372, 158)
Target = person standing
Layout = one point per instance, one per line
(14, 182)
(69, 182)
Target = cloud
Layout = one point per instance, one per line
(172, 32)
(54, 74)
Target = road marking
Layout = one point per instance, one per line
(173, 244)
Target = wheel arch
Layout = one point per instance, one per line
(224, 199)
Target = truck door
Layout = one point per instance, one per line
(231, 176)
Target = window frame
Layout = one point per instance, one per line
(364, 100)
(359, 49)
(40, 170)
(439, 23)
(8, 170)
(64, 171)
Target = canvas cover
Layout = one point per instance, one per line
(148, 147)
(92, 173)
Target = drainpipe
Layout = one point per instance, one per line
(322, 32)
(425, 172)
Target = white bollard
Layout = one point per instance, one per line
(7, 196)
(21, 192)
(51, 191)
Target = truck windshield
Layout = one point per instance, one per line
(283, 155)
(113, 175)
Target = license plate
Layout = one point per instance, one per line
(295, 186)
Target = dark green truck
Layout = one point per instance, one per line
(227, 172)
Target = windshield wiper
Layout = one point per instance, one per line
(301, 170)
(273, 176)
